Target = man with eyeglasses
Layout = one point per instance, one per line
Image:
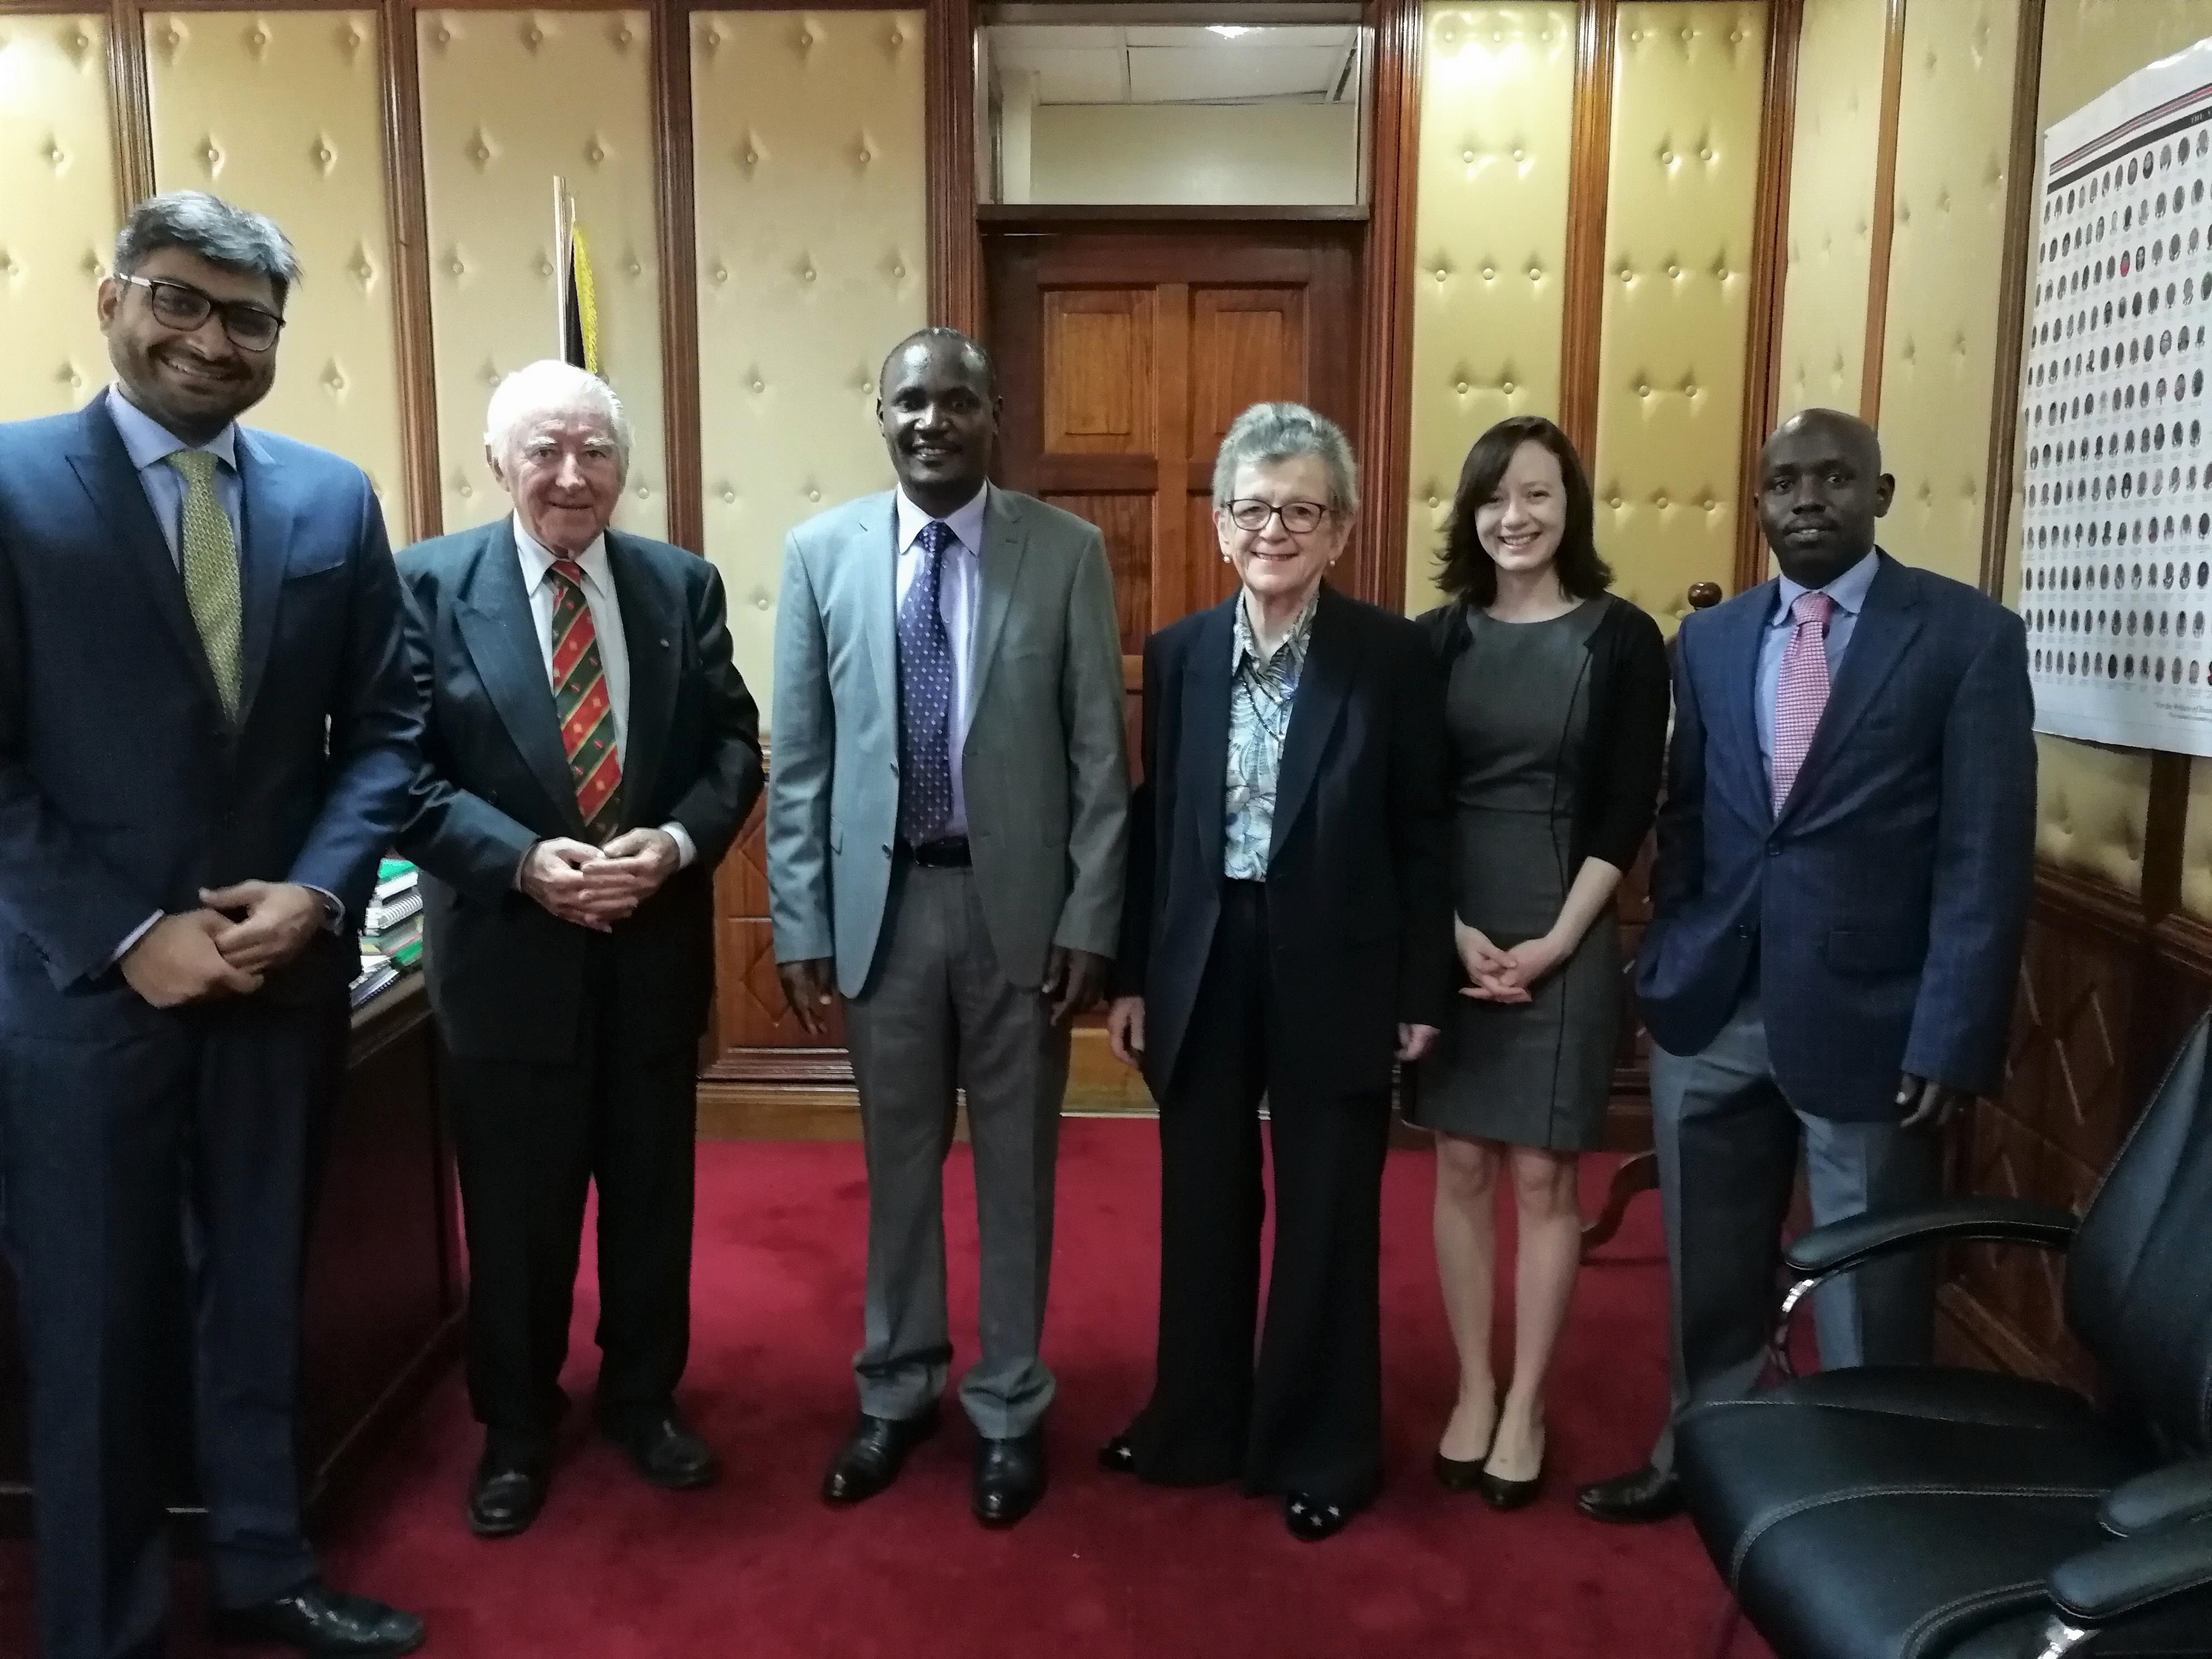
(207, 736)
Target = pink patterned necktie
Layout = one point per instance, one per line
(1803, 691)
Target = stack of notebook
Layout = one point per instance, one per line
(391, 934)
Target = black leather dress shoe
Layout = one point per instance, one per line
(508, 1492)
(1008, 1478)
(1647, 1494)
(1310, 1520)
(1118, 1456)
(667, 1452)
(318, 1620)
(873, 1454)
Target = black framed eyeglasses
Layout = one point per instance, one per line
(179, 305)
(1299, 518)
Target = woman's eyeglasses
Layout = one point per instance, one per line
(179, 305)
(1299, 518)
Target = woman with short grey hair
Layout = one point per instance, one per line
(1282, 936)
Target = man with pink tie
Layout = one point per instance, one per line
(1845, 857)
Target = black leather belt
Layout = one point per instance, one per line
(950, 854)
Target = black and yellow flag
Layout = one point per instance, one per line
(578, 298)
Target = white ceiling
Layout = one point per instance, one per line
(1078, 63)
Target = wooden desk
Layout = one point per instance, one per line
(385, 1269)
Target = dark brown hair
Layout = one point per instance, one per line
(1467, 573)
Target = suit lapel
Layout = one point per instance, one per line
(103, 467)
(1319, 697)
(874, 551)
(1005, 540)
(1205, 782)
(501, 636)
(266, 522)
(1738, 633)
(651, 614)
(1887, 623)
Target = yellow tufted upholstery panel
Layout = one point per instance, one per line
(2090, 808)
(1832, 203)
(2088, 44)
(282, 113)
(1938, 350)
(58, 210)
(510, 99)
(813, 262)
(1489, 231)
(1688, 83)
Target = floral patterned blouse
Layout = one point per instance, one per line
(1260, 697)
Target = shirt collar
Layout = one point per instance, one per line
(1291, 652)
(538, 559)
(148, 443)
(1849, 590)
(967, 523)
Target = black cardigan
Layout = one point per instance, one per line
(1625, 745)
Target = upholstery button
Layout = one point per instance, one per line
(1487, 273)
(760, 604)
(1461, 388)
(898, 270)
(1440, 273)
(444, 37)
(714, 39)
(622, 37)
(466, 491)
(173, 40)
(1659, 501)
(545, 267)
(808, 273)
(1674, 270)
(1667, 157)
(1519, 154)
(1505, 386)
(1536, 273)
(758, 387)
(807, 40)
(729, 495)
(721, 273)
(897, 39)
(1690, 389)
(1614, 503)
(533, 37)
(1643, 390)
(813, 494)
(259, 39)
(1433, 502)
(595, 155)
(635, 269)
(454, 266)
(643, 493)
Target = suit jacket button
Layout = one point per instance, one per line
(1743, 930)
(1774, 849)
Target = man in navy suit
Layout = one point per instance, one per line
(1845, 858)
(206, 738)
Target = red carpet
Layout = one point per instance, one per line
(1105, 1569)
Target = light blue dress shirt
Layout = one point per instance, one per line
(150, 444)
(1849, 591)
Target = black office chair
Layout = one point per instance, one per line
(1932, 1513)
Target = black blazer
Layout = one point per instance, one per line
(507, 977)
(124, 789)
(1625, 744)
(1360, 851)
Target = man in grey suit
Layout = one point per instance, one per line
(947, 807)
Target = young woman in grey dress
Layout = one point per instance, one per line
(1555, 709)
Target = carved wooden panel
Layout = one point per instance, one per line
(1099, 397)
(1247, 346)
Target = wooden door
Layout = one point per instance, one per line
(1123, 357)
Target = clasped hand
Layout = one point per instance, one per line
(240, 934)
(1496, 975)
(596, 887)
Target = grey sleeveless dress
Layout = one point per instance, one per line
(1538, 1074)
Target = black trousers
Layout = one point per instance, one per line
(155, 1166)
(1308, 1417)
(531, 1139)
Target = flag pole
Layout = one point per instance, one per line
(562, 210)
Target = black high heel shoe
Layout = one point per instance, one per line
(1118, 1456)
(1465, 1474)
(1501, 1494)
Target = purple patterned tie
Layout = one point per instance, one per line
(1802, 694)
(925, 651)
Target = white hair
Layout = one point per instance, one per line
(549, 387)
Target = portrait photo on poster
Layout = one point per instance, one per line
(2116, 536)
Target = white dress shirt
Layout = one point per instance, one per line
(606, 627)
(959, 587)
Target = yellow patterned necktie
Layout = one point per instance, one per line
(209, 553)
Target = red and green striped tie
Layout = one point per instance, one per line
(580, 696)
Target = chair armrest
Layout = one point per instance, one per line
(1842, 1245)
(2163, 1498)
(2131, 1575)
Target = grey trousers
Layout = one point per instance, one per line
(1728, 1142)
(938, 1012)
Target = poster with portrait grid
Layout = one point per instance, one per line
(2115, 553)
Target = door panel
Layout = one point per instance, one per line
(1123, 358)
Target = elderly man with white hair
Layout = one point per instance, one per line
(590, 751)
